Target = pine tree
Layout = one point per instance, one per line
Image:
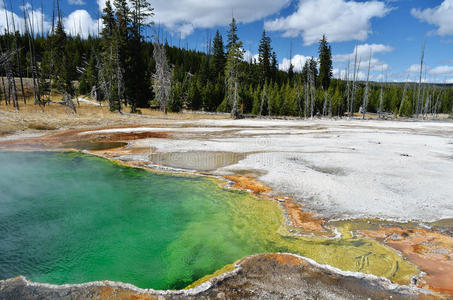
(61, 68)
(274, 66)
(137, 88)
(121, 40)
(232, 72)
(233, 38)
(194, 94)
(313, 68)
(109, 64)
(218, 55)
(265, 57)
(325, 63)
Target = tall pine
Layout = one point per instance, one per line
(265, 57)
(137, 77)
(232, 71)
(218, 54)
(325, 63)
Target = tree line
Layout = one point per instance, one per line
(129, 71)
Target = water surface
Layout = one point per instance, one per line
(74, 218)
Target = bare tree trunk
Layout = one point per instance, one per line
(12, 91)
(347, 88)
(19, 71)
(119, 78)
(263, 97)
(436, 106)
(324, 105)
(381, 101)
(404, 96)
(312, 93)
(367, 89)
(234, 112)
(299, 100)
(5, 94)
(162, 77)
(351, 109)
(417, 109)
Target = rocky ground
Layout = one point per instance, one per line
(267, 276)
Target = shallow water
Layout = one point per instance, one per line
(73, 218)
(197, 160)
(92, 145)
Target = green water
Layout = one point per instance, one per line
(73, 218)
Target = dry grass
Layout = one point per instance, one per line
(55, 116)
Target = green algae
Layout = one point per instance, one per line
(72, 218)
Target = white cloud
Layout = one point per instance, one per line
(441, 71)
(414, 69)
(298, 62)
(363, 56)
(76, 2)
(449, 80)
(363, 51)
(249, 56)
(340, 20)
(80, 22)
(440, 16)
(36, 18)
(183, 16)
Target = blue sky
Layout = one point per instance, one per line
(393, 30)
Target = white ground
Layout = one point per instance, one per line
(339, 169)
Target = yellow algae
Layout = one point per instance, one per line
(224, 270)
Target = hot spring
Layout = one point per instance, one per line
(75, 218)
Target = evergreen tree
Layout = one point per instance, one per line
(137, 78)
(232, 71)
(325, 63)
(233, 38)
(121, 39)
(61, 77)
(265, 57)
(291, 72)
(218, 55)
(274, 66)
(109, 64)
(194, 94)
(313, 68)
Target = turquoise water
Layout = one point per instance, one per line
(74, 218)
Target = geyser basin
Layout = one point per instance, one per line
(73, 218)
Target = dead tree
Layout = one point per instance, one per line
(437, 104)
(9, 69)
(264, 97)
(348, 94)
(2, 60)
(29, 32)
(19, 69)
(351, 109)
(307, 96)
(110, 75)
(324, 106)
(418, 105)
(312, 93)
(299, 100)
(162, 77)
(367, 89)
(67, 101)
(404, 95)
(119, 79)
